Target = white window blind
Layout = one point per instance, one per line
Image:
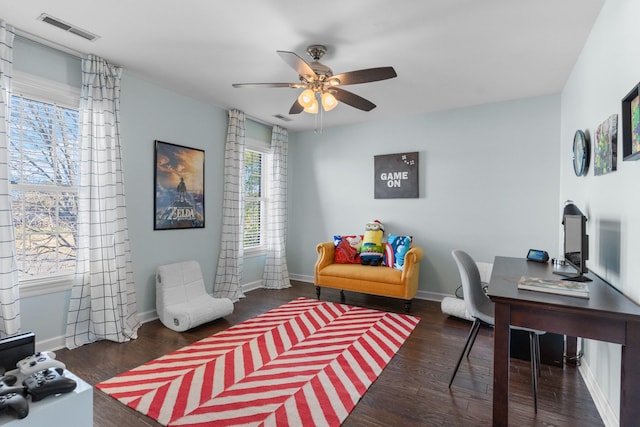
(254, 206)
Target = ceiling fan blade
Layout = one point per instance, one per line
(298, 64)
(365, 76)
(258, 85)
(352, 99)
(296, 108)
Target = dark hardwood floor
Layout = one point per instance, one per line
(411, 391)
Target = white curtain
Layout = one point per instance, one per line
(9, 295)
(103, 298)
(276, 274)
(229, 271)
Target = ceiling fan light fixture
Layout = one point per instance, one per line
(329, 102)
(313, 108)
(319, 85)
(307, 98)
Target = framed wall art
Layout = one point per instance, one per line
(178, 186)
(605, 146)
(396, 176)
(631, 125)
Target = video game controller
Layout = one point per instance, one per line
(7, 385)
(47, 382)
(39, 361)
(15, 404)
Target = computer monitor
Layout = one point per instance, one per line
(576, 246)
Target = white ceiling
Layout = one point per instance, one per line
(447, 53)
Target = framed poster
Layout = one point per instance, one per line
(396, 176)
(179, 187)
(605, 146)
(631, 125)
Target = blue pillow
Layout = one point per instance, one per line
(397, 248)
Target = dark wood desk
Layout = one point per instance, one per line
(606, 316)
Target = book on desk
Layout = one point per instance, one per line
(560, 287)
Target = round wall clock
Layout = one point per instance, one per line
(580, 153)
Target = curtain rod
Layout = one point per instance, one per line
(57, 46)
(48, 43)
(257, 120)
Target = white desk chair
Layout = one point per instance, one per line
(480, 307)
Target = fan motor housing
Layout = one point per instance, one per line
(321, 69)
(317, 51)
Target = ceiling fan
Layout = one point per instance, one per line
(319, 83)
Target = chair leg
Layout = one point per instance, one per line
(538, 353)
(473, 340)
(470, 340)
(534, 346)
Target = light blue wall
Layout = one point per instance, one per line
(148, 113)
(488, 185)
(607, 69)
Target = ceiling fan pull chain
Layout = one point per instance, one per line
(321, 114)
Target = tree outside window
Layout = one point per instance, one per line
(43, 164)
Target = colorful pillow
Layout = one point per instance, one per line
(395, 250)
(347, 249)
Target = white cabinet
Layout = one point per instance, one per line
(73, 409)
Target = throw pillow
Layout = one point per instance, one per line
(397, 248)
(347, 249)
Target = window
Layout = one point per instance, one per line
(255, 167)
(43, 166)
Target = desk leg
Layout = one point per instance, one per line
(629, 385)
(501, 337)
(571, 351)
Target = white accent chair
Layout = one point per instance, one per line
(182, 301)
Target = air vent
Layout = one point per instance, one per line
(67, 27)
(281, 117)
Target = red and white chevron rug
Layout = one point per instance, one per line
(305, 363)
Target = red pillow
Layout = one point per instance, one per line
(347, 249)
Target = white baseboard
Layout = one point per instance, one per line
(147, 316)
(426, 295)
(247, 287)
(431, 296)
(607, 413)
(52, 344)
(301, 277)
(56, 343)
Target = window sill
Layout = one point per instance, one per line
(255, 252)
(45, 285)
